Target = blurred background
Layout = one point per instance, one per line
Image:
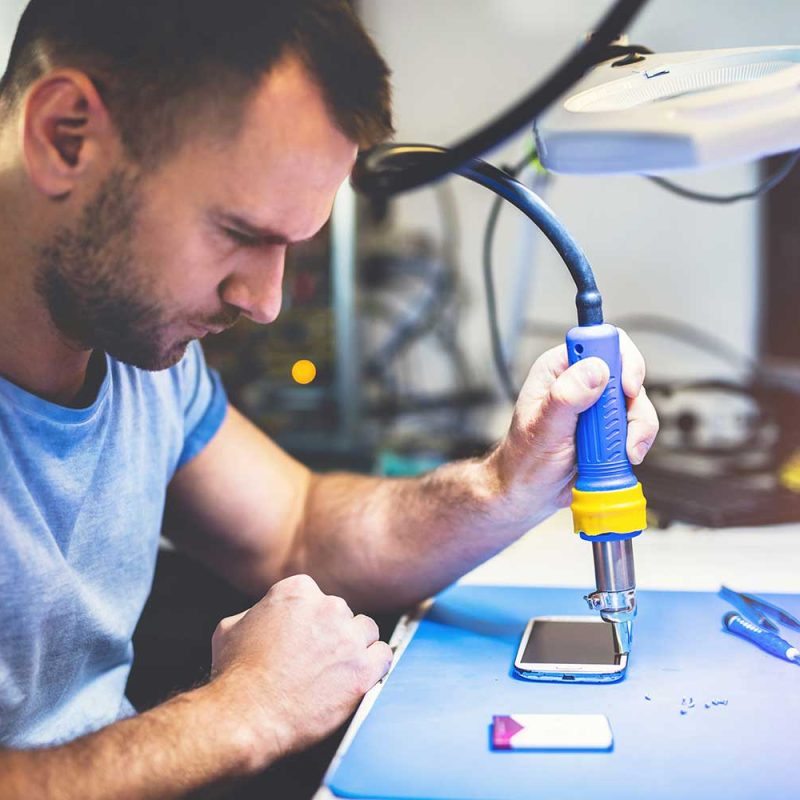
(389, 302)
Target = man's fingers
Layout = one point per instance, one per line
(633, 366)
(554, 362)
(229, 622)
(556, 394)
(571, 393)
(380, 658)
(224, 627)
(338, 606)
(544, 372)
(642, 427)
(368, 628)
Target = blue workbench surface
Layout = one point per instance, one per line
(428, 734)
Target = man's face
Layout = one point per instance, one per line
(157, 260)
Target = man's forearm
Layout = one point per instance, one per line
(385, 544)
(169, 752)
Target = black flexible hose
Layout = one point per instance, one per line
(783, 172)
(588, 300)
(379, 174)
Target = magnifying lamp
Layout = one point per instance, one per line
(656, 113)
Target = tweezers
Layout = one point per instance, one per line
(759, 610)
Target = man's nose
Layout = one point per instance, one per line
(257, 288)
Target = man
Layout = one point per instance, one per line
(156, 160)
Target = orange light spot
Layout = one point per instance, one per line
(304, 372)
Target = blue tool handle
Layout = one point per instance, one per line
(602, 430)
(770, 642)
(747, 608)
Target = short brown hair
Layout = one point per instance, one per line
(156, 63)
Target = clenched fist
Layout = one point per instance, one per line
(296, 664)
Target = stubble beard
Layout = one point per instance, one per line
(97, 298)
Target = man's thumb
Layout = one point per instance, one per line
(575, 390)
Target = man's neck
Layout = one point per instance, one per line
(35, 360)
(33, 354)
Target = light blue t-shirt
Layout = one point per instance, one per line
(82, 495)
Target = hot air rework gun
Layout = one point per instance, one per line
(608, 503)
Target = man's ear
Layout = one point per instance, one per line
(66, 131)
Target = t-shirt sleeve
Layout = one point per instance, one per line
(205, 403)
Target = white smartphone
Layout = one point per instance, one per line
(571, 649)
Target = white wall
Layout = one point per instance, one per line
(458, 62)
(10, 11)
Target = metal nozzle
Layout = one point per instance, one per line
(615, 597)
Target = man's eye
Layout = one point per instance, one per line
(243, 239)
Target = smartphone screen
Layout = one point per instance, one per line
(571, 642)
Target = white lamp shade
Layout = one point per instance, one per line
(676, 111)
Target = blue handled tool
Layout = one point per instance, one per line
(758, 610)
(608, 506)
(766, 640)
